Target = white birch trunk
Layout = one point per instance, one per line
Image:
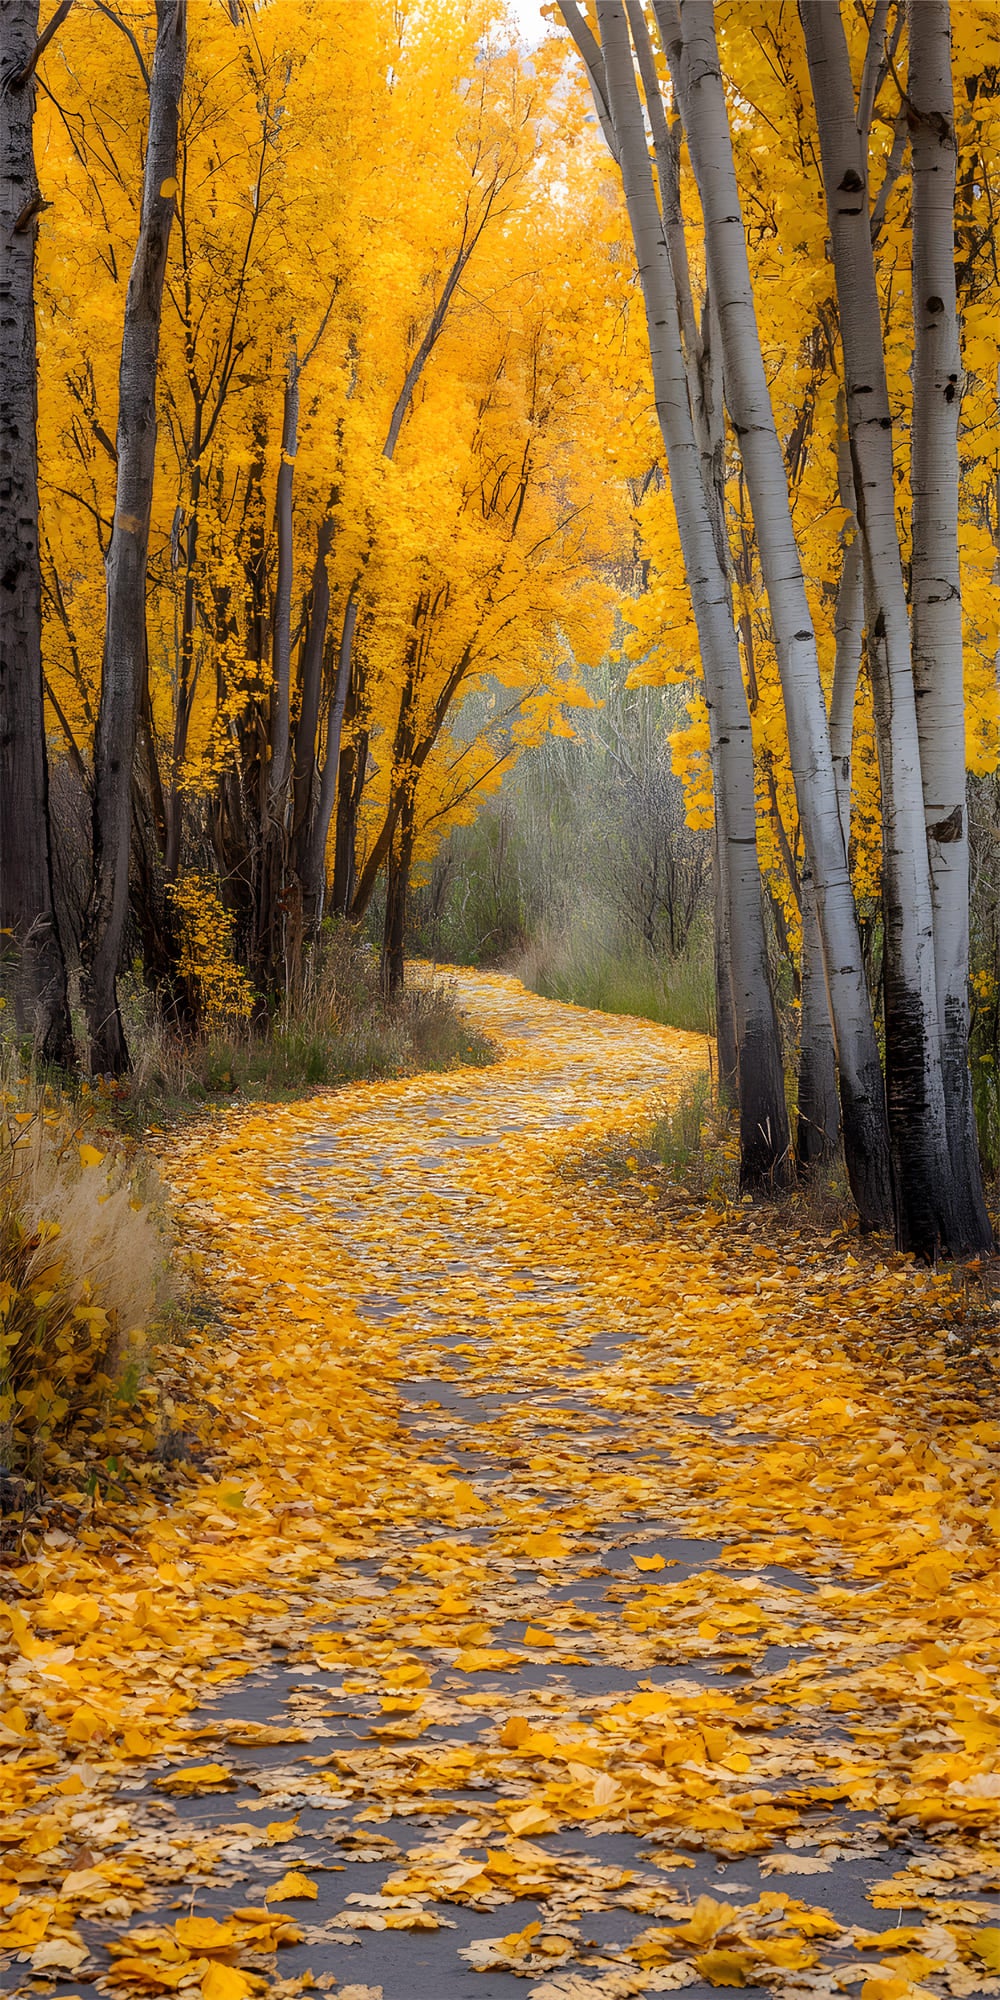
(765, 1153)
(921, 1162)
(694, 62)
(935, 591)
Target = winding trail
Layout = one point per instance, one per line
(571, 1603)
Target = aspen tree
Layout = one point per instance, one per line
(688, 32)
(764, 1136)
(927, 1218)
(936, 586)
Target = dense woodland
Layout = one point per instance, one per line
(386, 405)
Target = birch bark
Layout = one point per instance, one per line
(764, 1135)
(925, 1216)
(123, 663)
(935, 588)
(692, 53)
(27, 908)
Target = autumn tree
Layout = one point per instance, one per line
(123, 664)
(765, 1149)
(376, 479)
(27, 910)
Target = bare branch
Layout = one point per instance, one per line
(23, 76)
(102, 8)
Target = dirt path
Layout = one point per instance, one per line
(564, 1594)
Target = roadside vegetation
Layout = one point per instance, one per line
(93, 1298)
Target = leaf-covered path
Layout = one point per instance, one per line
(569, 1604)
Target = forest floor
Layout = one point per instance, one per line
(577, 1597)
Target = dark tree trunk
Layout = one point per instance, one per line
(123, 664)
(350, 790)
(725, 1020)
(817, 1135)
(314, 847)
(311, 688)
(27, 906)
(397, 882)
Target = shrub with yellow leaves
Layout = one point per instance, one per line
(206, 960)
(83, 1273)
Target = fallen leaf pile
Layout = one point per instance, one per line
(545, 1554)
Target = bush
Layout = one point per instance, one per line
(84, 1272)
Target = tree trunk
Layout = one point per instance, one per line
(765, 1161)
(124, 658)
(311, 688)
(27, 905)
(281, 623)
(187, 677)
(350, 789)
(936, 590)
(848, 635)
(694, 61)
(925, 1216)
(397, 881)
(817, 1133)
(314, 858)
(726, 1047)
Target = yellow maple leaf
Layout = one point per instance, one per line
(292, 1887)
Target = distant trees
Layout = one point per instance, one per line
(909, 578)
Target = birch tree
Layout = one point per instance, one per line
(688, 33)
(929, 1218)
(28, 926)
(764, 1136)
(123, 666)
(935, 582)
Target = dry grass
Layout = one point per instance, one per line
(84, 1275)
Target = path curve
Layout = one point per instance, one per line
(563, 1591)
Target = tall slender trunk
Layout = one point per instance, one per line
(123, 663)
(817, 1131)
(281, 623)
(727, 1050)
(397, 880)
(848, 638)
(936, 589)
(764, 1135)
(310, 691)
(187, 675)
(27, 903)
(314, 856)
(350, 790)
(693, 56)
(925, 1216)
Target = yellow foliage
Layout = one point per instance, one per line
(206, 958)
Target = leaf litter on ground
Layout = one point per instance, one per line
(406, 1272)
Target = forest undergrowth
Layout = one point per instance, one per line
(734, 1484)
